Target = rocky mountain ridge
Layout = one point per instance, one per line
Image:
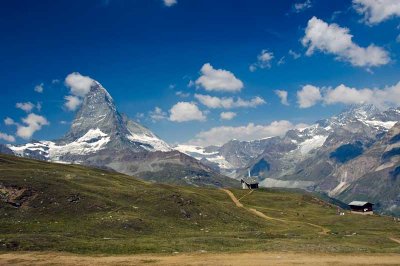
(102, 137)
(331, 156)
(228, 158)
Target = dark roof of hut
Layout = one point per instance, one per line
(359, 203)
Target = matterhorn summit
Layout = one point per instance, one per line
(98, 113)
(102, 137)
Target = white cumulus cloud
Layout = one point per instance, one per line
(72, 102)
(376, 11)
(386, 97)
(333, 39)
(182, 94)
(308, 96)
(221, 135)
(227, 115)
(281, 61)
(78, 84)
(283, 96)
(301, 6)
(170, 2)
(6, 137)
(294, 54)
(31, 124)
(346, 95)
(263, 60)
(228, 102)
(27, 107)
(186, 111)
(218, 80)
(383, 98)
(39, 88)
(157, 114)
(9, 121)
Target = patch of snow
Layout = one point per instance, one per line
(93, 141)
(92, 134)
(191, 149)
(150, 139)
(21, 150)
(361, 114)
(221, 161)
(375, 123)
(311, 144)
(199, 153)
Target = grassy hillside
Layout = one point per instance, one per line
(45, 206)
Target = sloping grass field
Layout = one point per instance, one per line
(54, 207)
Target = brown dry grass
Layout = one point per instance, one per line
(32, 258)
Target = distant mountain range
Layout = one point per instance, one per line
(230, 157)
(354, 155)
(102, 137)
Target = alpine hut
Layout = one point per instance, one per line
(249, 182)
(361, 207)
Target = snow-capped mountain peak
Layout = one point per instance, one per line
(97, 126)
(102, 137)
(98, 111)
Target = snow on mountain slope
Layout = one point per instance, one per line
(387, 125)
(102, 137)
(140, 134)
(97, 126)
(93, 141)
(230, 157)
(21, 150)
(310, 154)
(195, 150)
(359, 122)
(200, 153)
(151, 140)
(312, 143)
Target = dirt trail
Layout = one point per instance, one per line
(266, 217)
(233, 198)
(251, 191)
(395, 240)
(254, 211)
(197, 259)
(324, 230)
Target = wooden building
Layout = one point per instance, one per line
(361, 207)
(249, 182)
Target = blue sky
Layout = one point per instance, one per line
(146, 51)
